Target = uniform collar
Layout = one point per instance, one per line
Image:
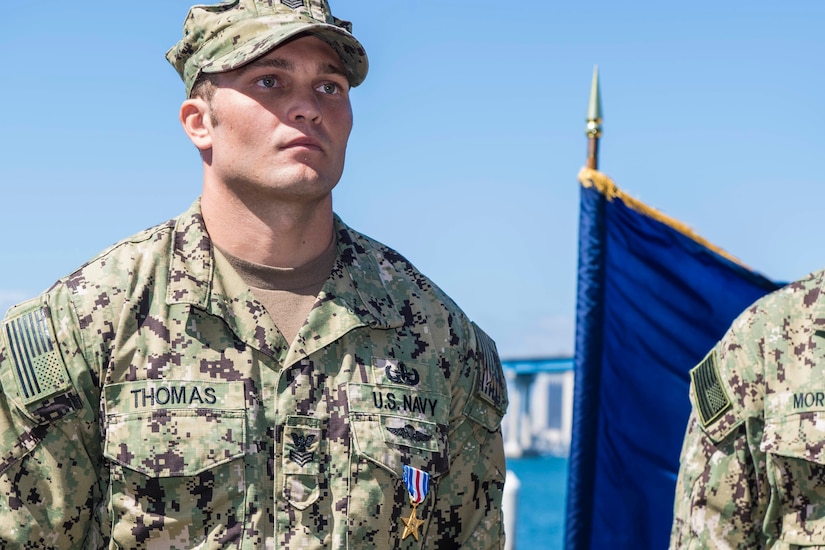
(364, 276)
(361, 278)
(191, 268)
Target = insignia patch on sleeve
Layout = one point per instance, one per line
(38, 365)
(491, 384)
(711, 399)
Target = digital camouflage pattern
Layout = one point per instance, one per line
(148, 401)
(222, 37)
(753, 462)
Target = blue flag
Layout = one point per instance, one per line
(653, 298)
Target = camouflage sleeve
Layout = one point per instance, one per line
(722, 491)
(468, 508)
(47, 476)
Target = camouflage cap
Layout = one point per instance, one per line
(225, 36)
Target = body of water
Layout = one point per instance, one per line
(541, 502)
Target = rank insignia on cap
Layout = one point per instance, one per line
(711, 399)
(39, 367)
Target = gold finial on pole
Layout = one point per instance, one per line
(594, 122)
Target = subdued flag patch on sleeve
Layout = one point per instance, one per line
(38, 365)
(711, 398)
(491, 384)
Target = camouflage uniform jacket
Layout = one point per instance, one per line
(753, 462)
(148, 401)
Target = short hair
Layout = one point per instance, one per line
(204, 88)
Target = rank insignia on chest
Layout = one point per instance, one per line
(418, 484)
(300, 455)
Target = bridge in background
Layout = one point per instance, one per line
(540, 416)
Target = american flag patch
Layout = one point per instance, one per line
(711, 399)
(491, 383)
(39, 369)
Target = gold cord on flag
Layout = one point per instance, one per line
(607, 187)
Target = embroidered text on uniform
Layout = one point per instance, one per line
(174, 395)
(408, 403)
(808, 399)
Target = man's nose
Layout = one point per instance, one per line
(304, 105)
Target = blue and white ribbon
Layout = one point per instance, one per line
(418, 483)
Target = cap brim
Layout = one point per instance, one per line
(346, 46)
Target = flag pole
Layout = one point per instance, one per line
(588, 353)
(594, 122)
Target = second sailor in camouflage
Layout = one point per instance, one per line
(752, 471)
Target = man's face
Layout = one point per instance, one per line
(279, 126)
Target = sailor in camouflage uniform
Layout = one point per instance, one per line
(753, 463)
(150, 400)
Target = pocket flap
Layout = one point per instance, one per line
(174, 428)
(394, 426)
(795, 426)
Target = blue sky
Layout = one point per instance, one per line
(469, 134)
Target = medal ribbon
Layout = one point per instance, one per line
(418, 483)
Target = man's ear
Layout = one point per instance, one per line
(194, 117)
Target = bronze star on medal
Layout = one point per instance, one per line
(412, 524)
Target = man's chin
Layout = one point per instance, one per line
(305, 178)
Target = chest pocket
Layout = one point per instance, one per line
(397, 425)
(795, 447)
(175, 450)
(394, 426)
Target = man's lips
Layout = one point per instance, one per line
(303, 143)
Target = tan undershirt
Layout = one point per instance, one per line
(288, 294)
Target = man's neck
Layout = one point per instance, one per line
(267, 232)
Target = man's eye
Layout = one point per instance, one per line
(329, 88)
(268, 81)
